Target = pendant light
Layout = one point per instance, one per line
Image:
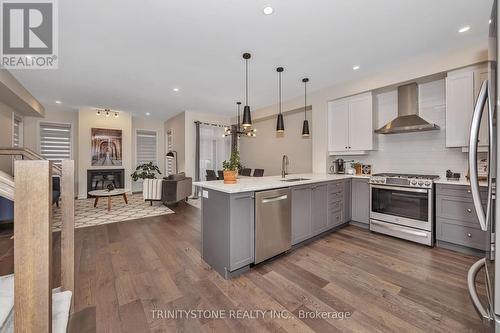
(305, 125)
(247, 118)
(280, 124)
(237, 129)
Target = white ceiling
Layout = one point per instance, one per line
(129, 54)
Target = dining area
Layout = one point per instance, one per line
(246, 172)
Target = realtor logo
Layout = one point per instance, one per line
(29, 34)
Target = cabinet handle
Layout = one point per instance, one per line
(468, 191)
(469, 235)
(345, 147)
(469, 210)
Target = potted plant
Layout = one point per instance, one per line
(145, 171)
(357, 166)
(231, 168)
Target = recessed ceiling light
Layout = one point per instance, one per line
(268, 10)
(58, 102)
(489, 22)
(176, 89)
(355, 68)
(464, 29)
(148, 114)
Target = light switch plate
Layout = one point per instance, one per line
(205, 194)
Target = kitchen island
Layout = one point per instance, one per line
(318, 203)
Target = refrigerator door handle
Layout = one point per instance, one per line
(474, 135)
(471, 284)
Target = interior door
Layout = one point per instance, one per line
(338, 129)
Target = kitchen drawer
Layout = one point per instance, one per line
(458, 209)
(335, 187)
(335, 219)
(459, 191)
(462, 235)
(332, 197)
(335, 206)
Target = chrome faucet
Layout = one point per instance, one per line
(284, 166)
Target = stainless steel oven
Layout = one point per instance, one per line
(404, 212)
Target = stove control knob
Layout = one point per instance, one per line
(420, 182)
(414, 182)
(427, 183)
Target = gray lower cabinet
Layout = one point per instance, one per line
(456, 218)
(227, 230)
(317, 208)
(360, 200)
(301, 213)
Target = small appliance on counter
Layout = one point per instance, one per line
(338, 166)
(450, 175)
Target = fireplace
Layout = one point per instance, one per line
(98, 179)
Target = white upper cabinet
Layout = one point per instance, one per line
(462, 89)
(350, 125)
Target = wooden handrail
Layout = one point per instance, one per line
(27, 154)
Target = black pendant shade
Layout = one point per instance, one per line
(305, 128)
(247, 118)
(280, 124)
(305, 125)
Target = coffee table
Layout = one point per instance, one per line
(109, 194)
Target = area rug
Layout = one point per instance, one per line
(86, 215)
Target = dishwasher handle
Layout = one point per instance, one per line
(274, 199)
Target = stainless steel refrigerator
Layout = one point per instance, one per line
(486, 106)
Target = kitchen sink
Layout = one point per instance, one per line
(294, 179)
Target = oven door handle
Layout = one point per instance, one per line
(402, 189)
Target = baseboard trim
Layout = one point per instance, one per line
(460, 248)
(360, 224)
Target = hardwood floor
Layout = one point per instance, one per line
(126, 270)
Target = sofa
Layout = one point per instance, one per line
(176, 187)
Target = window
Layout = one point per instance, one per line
(17, 135)
(146, 147)
(55, 141)
(170, 147)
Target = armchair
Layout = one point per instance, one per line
(176, 187)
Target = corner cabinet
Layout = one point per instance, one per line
(462, 89)
(350, 125)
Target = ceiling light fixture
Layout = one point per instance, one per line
(98, 112)
(58, 102)
(116, 114)
(280, 123)
(247, 118)
(107, 112)
(489, 22)
(305, 125)
(355, 68)
(148, 114)
(237, 129)
(464, 29)
(176, 89)
(268, 10)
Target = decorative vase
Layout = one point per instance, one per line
(358, 169)
(230, 176)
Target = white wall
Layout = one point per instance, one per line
(399, 73)
(151, 125)
(424, 152)
(265, 151)
(87, 119)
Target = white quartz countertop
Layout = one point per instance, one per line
(461, 181)
(250, 184)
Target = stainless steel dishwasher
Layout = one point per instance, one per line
(273, 223)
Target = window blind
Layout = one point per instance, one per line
(55, 142)
(146, 147)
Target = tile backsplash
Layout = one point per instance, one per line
(421, 153)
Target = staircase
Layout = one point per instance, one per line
(25, 305)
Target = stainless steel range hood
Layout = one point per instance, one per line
(408, 119)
